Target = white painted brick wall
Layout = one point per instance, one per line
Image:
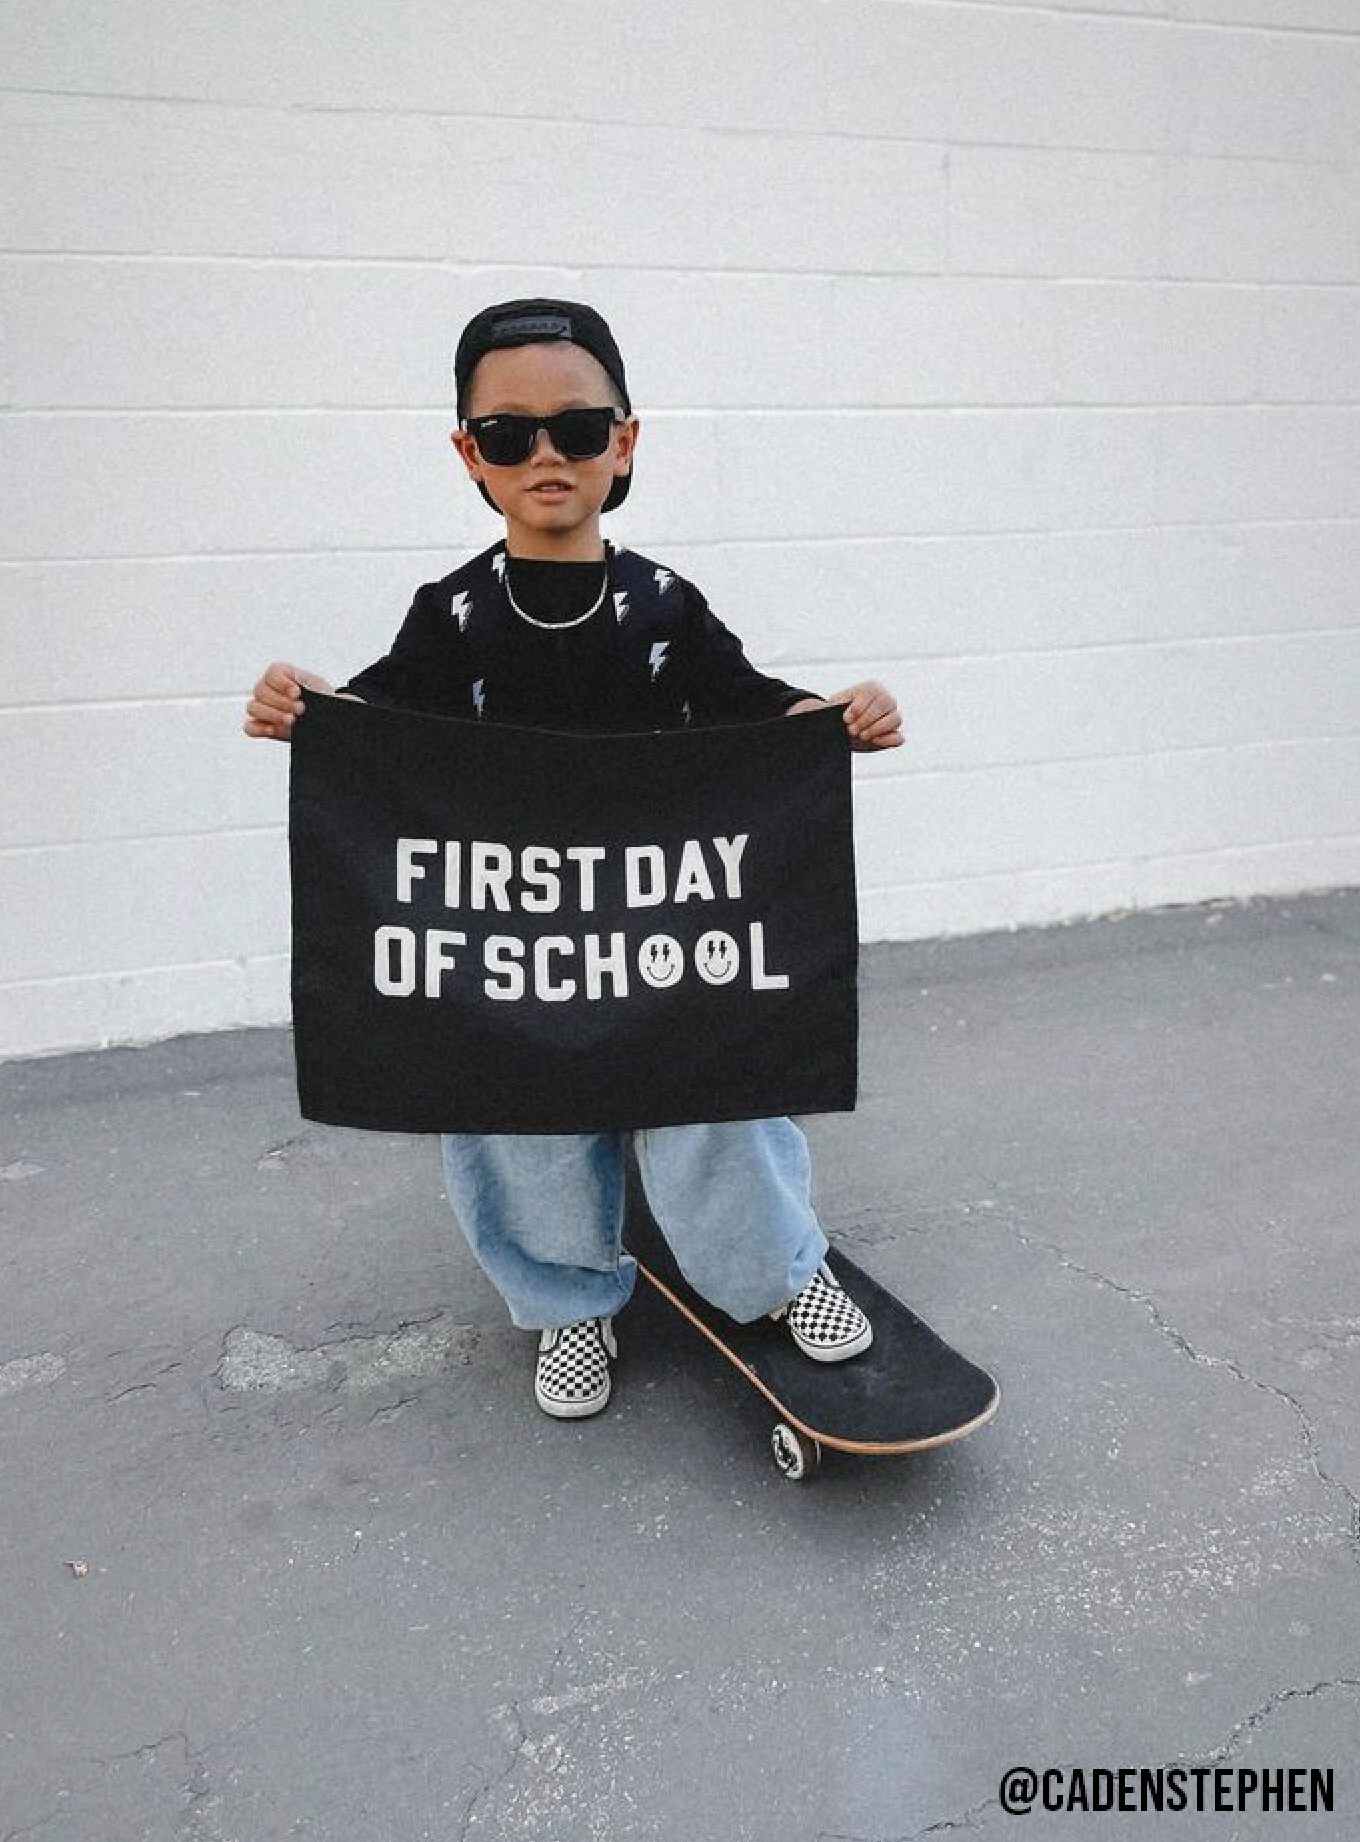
(1005, 352)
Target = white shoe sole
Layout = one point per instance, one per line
(841, 1352)
(573, 1410)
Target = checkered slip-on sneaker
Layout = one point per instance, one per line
(572, 1375)
(826, 1322)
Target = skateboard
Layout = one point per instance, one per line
(909, 1391)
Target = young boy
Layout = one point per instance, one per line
(555, 627)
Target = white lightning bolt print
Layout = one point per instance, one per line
(621, 606)
(460, 607)
(478, 695)
(656, 658)
(664, 578)
(498, 563)
(685, 708)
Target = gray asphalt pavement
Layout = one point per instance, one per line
(288, 1551)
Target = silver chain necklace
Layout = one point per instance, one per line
(554, 625)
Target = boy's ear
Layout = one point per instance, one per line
(463, 446)
(466, 449)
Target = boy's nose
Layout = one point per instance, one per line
(541, 434)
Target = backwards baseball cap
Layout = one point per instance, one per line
(528, 322)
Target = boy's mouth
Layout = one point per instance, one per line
(554, 489)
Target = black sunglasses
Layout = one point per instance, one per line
(577, 434)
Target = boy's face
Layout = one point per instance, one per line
(539, 380)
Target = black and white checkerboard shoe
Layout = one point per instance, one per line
(572, 1375)
(825, 1321)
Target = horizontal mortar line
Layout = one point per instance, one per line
(231, 701)
(957, 770)
(208, 700)
(680, 412)
(273, 829)
(238, 961)
(709, 273)
(1254, 27)
(1111, 863)
(654, 125)
(48, 847)
(282, 955)
(1060, 648)
(456, 265)
(783, 542)
(828, 667)
(944, 144)
(909, 277)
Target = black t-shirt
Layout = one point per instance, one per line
(563, 678)
(568, 672)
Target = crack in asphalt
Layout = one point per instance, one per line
(1259, 1716)
(1181, 1342)
(1216, 1756)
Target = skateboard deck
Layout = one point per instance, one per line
(909, 1391)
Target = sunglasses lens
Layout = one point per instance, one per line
(579, 434)
(503, 440)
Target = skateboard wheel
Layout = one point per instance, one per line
(796, 1455)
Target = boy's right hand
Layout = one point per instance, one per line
(276, 702)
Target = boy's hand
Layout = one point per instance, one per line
(276, 702)
(872, 717)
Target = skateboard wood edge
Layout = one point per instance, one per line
(835, 1441)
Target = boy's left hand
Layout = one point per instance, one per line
(871, 715)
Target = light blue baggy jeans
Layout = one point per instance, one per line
(543, 1214)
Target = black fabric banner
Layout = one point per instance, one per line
(501, 929)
